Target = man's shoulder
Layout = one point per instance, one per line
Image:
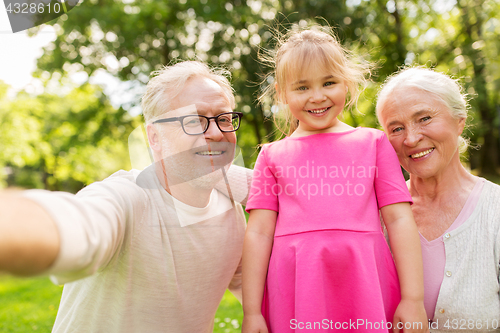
(130, 175)
(133, 178)
(120, 184)
(226, 203)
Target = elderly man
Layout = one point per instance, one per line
(143, 252)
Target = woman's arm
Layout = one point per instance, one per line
(256, 252)
(405, 245)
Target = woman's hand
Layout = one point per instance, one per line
(254, 324)
(410, 316)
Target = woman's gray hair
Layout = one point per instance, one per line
(168, 82)
(438, 84)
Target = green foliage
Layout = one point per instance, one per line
(129, 39)
(462, 40)
(62, 142)
(30, 305)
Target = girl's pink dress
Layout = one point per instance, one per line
(330, 267)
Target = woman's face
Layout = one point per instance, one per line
(422, 131)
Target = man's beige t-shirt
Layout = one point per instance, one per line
(134, 259)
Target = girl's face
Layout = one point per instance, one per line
(315, 97)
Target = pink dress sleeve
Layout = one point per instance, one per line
(263, 189)
(390, 185)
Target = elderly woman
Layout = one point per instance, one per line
(458, 214)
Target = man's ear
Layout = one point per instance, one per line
(153, 137)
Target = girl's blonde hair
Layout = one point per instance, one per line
(298, 48)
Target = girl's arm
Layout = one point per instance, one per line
(256, 252)
(405, 245)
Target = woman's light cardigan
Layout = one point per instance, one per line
(469, 298)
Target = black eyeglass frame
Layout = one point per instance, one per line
(181, 120)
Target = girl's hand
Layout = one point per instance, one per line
(409, 317)
(254, 324)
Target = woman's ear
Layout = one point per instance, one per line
(153, 137)
(461, 125)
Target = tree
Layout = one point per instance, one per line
(462, 40)
(63, 142)
(130, 40)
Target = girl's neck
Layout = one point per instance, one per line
(338, 128)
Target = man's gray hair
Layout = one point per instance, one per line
(168, 82)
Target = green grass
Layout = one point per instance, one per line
(30, 305)
(229, 315)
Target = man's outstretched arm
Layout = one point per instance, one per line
(29, 239)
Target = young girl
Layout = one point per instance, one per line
(315, 258)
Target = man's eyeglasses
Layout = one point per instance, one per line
(198, 124)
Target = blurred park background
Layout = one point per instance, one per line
(70, 134)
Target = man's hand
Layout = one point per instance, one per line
(29, 239)
(410, 316)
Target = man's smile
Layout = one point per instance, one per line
(210, 153)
